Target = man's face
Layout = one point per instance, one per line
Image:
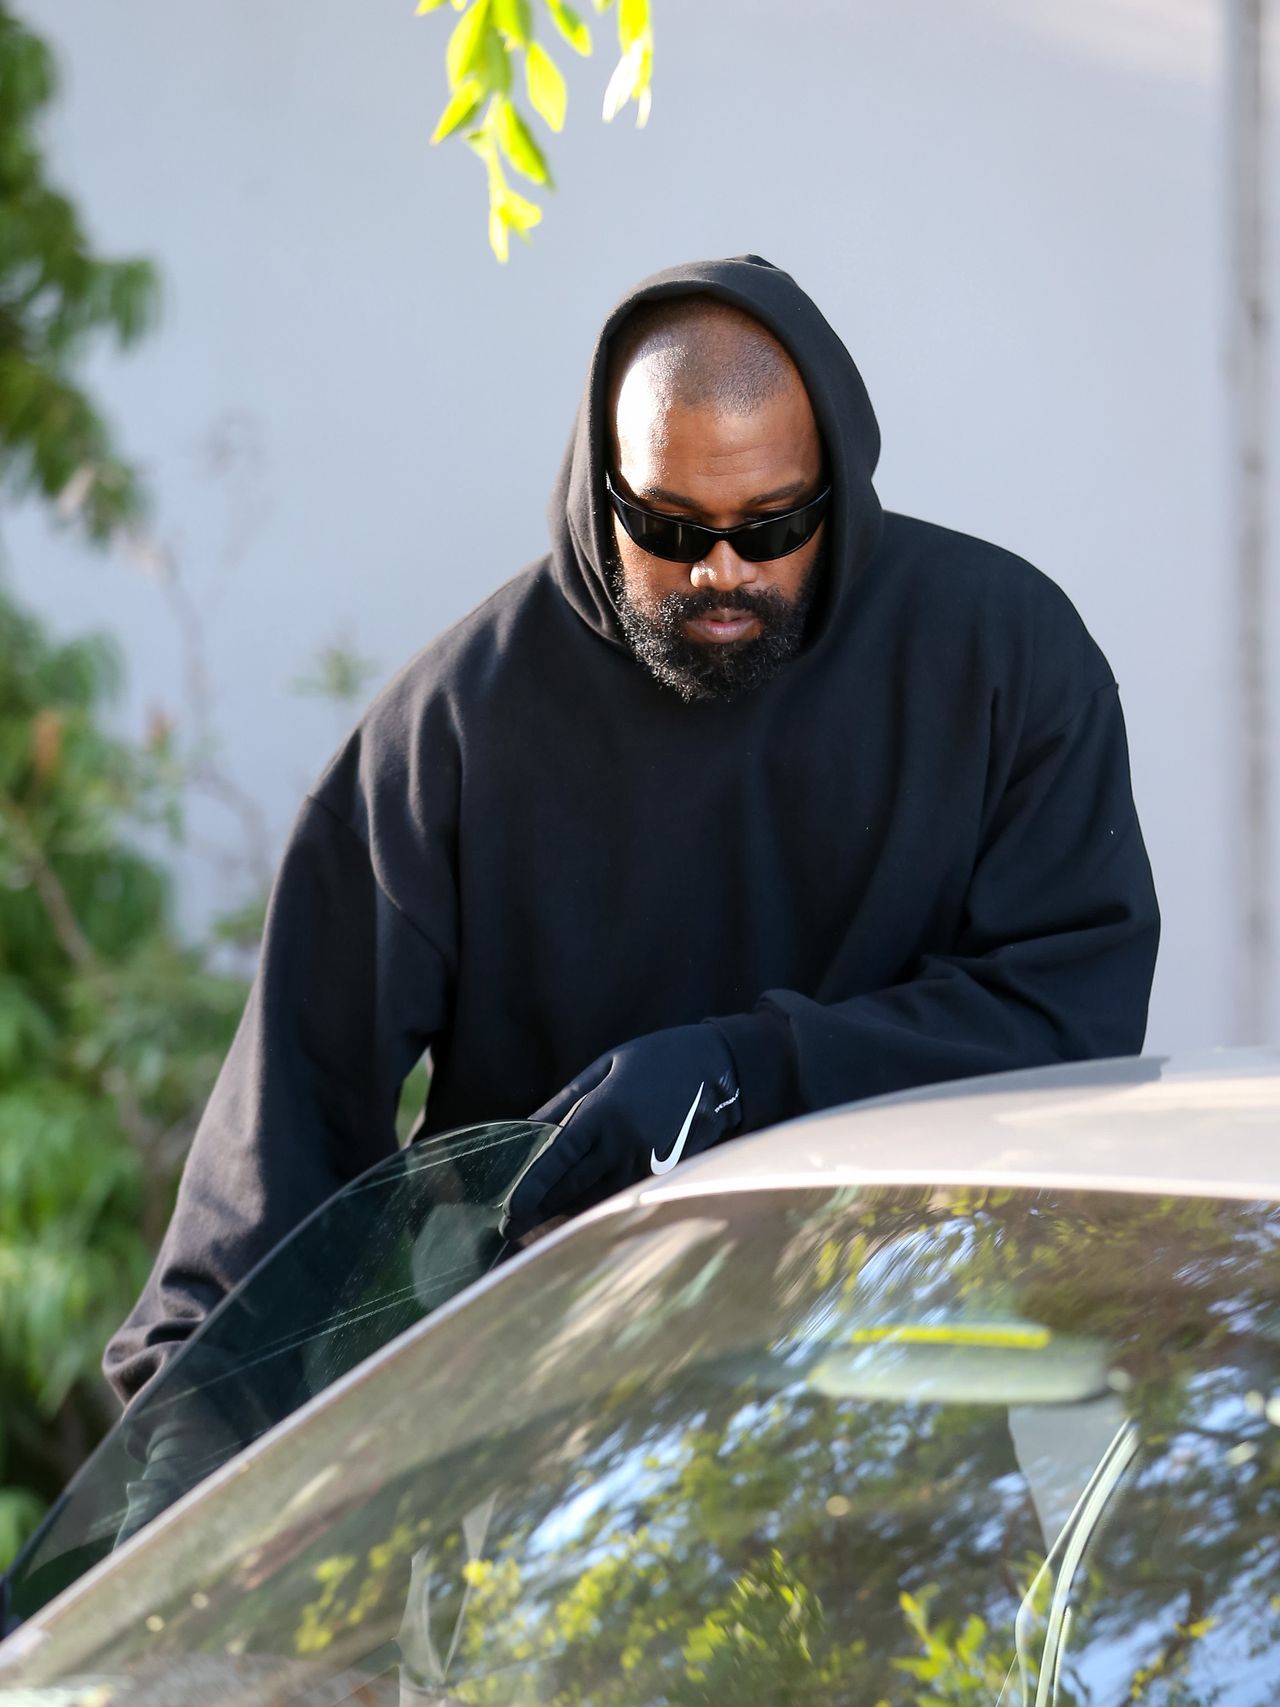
(721, 626)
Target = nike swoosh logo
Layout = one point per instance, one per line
(665, 1167)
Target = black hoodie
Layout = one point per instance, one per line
(911, 856)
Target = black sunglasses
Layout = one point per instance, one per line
(688, 542)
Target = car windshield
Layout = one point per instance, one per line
(791, 1447)
(383, 1253)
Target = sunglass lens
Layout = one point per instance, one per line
(774, 539)
(783, 535)
(663, 536)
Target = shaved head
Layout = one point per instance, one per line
(710, 423)
(699, 353)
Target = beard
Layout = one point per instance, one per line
(711, 670)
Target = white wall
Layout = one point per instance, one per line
(1011, 209)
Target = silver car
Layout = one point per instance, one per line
(965, 1396)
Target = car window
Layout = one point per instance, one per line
(786, 1447)
(381, 1255)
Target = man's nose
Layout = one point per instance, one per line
(722, 569)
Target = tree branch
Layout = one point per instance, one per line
(48, 885)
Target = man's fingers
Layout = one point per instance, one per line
(554, 1112)
(557, 1111)
(541, 1191)
(527, 1205)
(569, 1191)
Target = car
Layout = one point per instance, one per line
(967, 1395)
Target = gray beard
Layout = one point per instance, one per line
(709, 671)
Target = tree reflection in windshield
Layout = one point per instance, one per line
(905, 1446)
(730, 1541)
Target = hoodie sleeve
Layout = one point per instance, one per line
(1053, 960)
(348, 994)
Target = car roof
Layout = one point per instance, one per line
(1197, 1125)
(1202, 1125)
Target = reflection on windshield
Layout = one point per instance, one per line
(385, 1252)
(718, 1486)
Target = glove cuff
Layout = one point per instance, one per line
(760, 1046)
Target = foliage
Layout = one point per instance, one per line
(54, 295)
(480, 62)
(956, 1667)
(111, 1032)
(339, 674)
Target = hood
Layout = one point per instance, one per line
(581, 521)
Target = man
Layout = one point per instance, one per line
(748, 799)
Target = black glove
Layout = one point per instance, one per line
(637, 1110)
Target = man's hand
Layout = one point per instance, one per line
(637, 1110)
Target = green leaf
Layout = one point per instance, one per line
(515, 19)
(425, 6)
(543, 79)
(339, 672)
(497, 62)
(520, 213)
(570, 26)
(20, 1511)
(1201, 1627)
(460, 110)
(633, 22)
(517, 142)
(971, 1637)
(27, 1034)
(465, 55)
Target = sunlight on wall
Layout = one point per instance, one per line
(1176, 39)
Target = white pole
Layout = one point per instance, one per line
(1249, 352)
